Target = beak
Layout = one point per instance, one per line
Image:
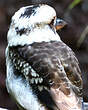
(60, 24)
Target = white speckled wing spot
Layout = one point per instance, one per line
(19, 90)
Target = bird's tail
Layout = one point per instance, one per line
(66, 102)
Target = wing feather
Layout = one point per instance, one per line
(57, 65)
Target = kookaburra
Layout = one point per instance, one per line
(42, 71)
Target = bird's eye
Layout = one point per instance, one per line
(52, 22)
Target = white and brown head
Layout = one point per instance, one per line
(34, 23)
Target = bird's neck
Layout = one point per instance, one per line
(45, 34)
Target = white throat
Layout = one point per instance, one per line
(36, 35)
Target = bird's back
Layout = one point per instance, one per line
(53, 73)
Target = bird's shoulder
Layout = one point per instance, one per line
(47, 58)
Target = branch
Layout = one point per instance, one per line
(82, 38)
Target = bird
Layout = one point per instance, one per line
(43, 73)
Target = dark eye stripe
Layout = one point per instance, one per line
(52, 22)
(21, 31)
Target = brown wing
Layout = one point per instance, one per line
(55, 64)
(71, 67)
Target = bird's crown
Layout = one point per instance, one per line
(34, 15)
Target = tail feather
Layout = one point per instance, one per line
(66, 102)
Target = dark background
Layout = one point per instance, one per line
(77, 19)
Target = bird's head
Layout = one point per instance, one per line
(30, 22)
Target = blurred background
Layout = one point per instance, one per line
(75, 34)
